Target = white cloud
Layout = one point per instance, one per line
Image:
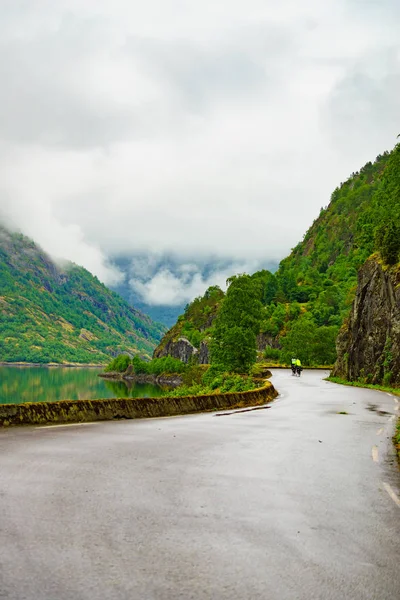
(170, 289)
(193, 130)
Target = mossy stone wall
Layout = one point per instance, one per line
(80, 411)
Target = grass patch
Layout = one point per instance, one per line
(371, 386)
(396, 439)
(342, 412)
(270, 364)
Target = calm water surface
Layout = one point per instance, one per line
(47, 384)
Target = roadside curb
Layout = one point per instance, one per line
(85, 411)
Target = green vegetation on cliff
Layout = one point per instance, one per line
(62, 315)
(314, 286)
(369, 341)
(307, 299)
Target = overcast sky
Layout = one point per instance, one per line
(197, 130)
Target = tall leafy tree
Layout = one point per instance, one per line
(237, 324)
(312, 344)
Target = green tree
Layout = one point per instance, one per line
(271, 288)
(233, 346)
(298, 341)
(312, 344)
(388, 242)
(323, 345)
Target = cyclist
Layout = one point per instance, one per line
(298, 367)
(294, 366)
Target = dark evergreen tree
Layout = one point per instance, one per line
(389, 244)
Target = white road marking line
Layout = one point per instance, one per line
(392, 418)
(390, 395)
(396, 399)
(380, 431)
(64, 425)
(375, 454)
(392, 494)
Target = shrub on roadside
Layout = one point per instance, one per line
(193, 374)
(236, 383)
(272, 353)
(188, 390)
(158, 366)
(118, 364)
(212, 372)
(221, 383)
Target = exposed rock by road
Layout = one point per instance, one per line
(368, 344)
(184, 351)
(181, 349)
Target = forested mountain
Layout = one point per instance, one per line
(312, 291)
(307, 299)
(63, 315)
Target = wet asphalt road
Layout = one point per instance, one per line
(288, 503)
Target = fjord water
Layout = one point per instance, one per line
(47, 384)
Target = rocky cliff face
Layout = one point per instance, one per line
(264, 340)
(368, 344)
(183, 350)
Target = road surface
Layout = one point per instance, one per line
(292, 502)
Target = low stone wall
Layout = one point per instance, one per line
(79, 411)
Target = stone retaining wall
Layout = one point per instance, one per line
(79, 411)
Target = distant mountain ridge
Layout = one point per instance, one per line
(63, 315)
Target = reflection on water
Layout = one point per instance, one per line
(46, 384)
(133, 390)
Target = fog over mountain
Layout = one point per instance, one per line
(165, 145)
(161, 287)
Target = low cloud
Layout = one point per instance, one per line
(125, 130)
(174, 288)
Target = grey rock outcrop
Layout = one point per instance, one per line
(264, 340)
(368, 344)
(204, 354)
(184, 351)
(181, 349)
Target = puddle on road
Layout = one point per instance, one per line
(374, 408)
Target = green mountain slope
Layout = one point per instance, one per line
(63, 315)
(307, 299)
(315, 285)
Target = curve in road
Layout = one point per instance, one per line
(290, 503)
